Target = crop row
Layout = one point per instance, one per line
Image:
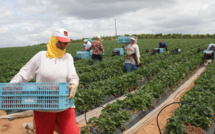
(201, 95)
(121, 84)
(143, 98)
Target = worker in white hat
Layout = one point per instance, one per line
(53, 65)
(86, 44)
(133, 55)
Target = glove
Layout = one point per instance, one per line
(73, 88)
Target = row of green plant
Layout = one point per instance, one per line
(88, 74)
(202, 95)
(120, 85)
(12, 59)
(141, 99)
(112, 68)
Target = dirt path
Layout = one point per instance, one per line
(13, 127)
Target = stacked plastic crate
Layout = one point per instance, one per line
(83, 54)
(157, 50)
(35, 96)
(125, 39)
(119, 50)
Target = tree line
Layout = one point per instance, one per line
(158, 36)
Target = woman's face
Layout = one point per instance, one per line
(132, 41)
(61, 45)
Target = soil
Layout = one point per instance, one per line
(194, 130)
(13, 127)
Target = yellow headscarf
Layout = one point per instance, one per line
(52, 50)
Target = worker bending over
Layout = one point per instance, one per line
(163, 45)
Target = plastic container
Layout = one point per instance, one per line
(208, 51)
(158, 50)
(161, 50)
(83, 54)
(90, 40)
(35, 96)
(125, 39)
(121, 50)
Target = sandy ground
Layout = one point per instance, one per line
(13, 127)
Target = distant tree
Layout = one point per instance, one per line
(187, 36)
(207, 36)
(158, 36)
(126, 35)
(167, 36)
(213, 36)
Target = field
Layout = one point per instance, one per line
(108, 79)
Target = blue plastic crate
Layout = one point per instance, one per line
(35, 96)
(160, 50)
(121, 50)
(90, 40)
(83, 54)
(125, 39)
(208, 51)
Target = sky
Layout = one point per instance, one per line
(30, 22)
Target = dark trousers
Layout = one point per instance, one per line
(96, 57)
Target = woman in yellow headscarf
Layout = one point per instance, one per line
(53, 65)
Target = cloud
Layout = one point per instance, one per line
(93, 9)
(25, 22)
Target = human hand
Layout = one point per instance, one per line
(73, 88)
(128, 56)
(138, 61)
